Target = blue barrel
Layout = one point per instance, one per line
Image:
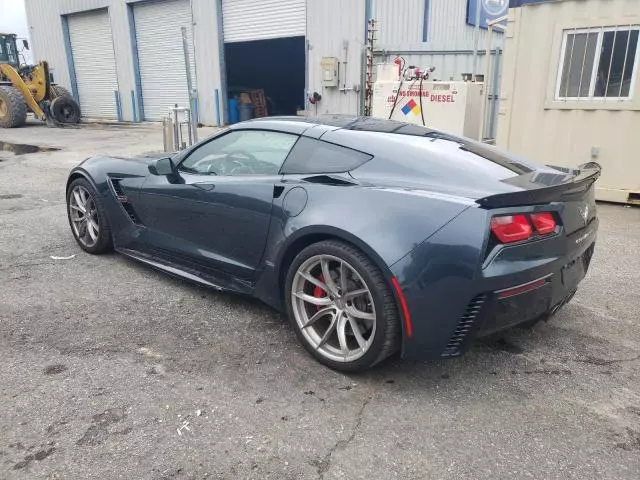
(246, 111)
(233, 110)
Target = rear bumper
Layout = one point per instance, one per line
(490, 312)
(452, 301)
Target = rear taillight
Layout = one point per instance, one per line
(543, 222)
(518, 227)
(511, 228)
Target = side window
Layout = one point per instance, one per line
(241, 152)
(315, 156)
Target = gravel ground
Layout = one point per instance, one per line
(113, 370)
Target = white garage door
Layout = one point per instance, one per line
(161, 55)
(94, 63)
(245, 20)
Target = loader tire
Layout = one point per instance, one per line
(13, 109)
(59, 91)
(65, 110)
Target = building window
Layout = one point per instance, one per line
(598, 63)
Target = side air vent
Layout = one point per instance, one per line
(124, 200)
(465, 324)
(329, 180)
(117, 188)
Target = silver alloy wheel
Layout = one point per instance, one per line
(84, 216)
(334, 308)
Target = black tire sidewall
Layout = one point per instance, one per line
(374, 279)
(104, 243)
(59, 103)
(16, 107)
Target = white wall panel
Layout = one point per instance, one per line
(161, 55)
(246, 20)
(332, 25)
(94, 63)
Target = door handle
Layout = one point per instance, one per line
(205, 186)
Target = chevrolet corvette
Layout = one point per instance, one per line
(375, 237)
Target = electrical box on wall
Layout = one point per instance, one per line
(329, 69)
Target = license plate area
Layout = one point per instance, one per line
(573, 272)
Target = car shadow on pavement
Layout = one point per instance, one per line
(549, 350)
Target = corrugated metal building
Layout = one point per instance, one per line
(124, 58)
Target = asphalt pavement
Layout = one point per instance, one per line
(112, 370)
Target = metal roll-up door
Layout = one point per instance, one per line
(94, 63)
(245, 20)
(161, 55)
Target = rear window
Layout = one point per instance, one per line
(310, 156)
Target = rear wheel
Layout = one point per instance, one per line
(88, 218)
(13, 109)
(341, 307)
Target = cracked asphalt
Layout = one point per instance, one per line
(111, 370)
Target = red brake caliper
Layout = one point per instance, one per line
(319, 292)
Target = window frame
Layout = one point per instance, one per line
(224, 133)
(600, 30)
(318, 143)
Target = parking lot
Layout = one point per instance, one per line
(110, 369)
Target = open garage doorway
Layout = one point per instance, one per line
(275, 66)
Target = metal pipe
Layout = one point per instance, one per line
(133, 107)
(487, 74)
(476, 40)
(429, 52)
(495, 90)
(192, 101)
(116, 94)
(190, 125)
(176, 128)
(485, 96)
(216, 104)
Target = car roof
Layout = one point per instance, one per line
(337, 128)
(294, 124)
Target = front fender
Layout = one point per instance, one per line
(130, 173)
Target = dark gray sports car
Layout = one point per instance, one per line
(374, 236)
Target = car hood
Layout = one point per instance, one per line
(114, 165)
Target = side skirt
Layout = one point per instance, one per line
(173, 270)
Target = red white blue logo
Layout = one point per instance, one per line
(411, 106)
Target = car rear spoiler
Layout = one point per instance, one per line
(577, 182)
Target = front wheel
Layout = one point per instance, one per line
(88, 218)
(341, 307)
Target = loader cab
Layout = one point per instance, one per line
(9, 49)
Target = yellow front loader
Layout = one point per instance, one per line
(25, 88)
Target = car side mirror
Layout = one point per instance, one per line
(25, 44)
(161, 166)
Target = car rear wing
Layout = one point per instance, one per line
(578, 181)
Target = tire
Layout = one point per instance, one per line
(13, 109)
(85, 236)
(65, 110)
(59, 91)
(381, 335)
